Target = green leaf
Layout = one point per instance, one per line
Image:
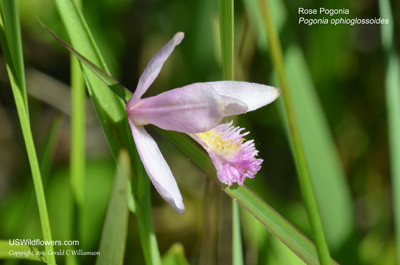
(301, 162)
(331, 189)
(8, 251)
(115, 229)
(226, 25)
(263, 212)
(10, 39)
(175, 256)
(392, 85)
(110, 81)
(10, 17)
(109, 108)
(113, 119)
(226, 19)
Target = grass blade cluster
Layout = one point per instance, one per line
(10, 39)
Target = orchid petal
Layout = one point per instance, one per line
(189, 109)
(157, 168)
(233, 106)
(253, 95)
(154, 67)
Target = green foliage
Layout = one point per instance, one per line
(10, 39)
(115, 229)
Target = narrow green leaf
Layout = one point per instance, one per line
(10, 16)
(237, 249)
(110, 81)
(115, 229)
(113, 119)
(148, 238)
(331, 189)
(8, 251)
(109, 108)
(226, 25)
(301, 162)
(175, 256)
(249, 201)
(225, 9)
(78, 131)
(12, 47)
(255, 16)
(392, 84)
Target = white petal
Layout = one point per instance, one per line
(253, 95)
(233, 106)
(157, 168)
(154, 67)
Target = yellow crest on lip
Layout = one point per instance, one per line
(215, 142)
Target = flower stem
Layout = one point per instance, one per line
(226, 20)
(299, 155)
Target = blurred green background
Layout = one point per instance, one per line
(342, 68)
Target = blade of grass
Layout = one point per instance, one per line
(249, 201)
(77, 153)
(226, 25)
(112, 116)
(299, 154)
(78, 132)
(392, 84)
(331, 189)
(10, 35)
(225, 9)
(110, 81)
(328, 178)
(109, 108)
(115, 229)
(10, 17)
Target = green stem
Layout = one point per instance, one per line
(299, 155)
(78, 97)
(226, 8)
(77, 131)
(145, 225)
(237, 253)
(392, 84)
(226, 21)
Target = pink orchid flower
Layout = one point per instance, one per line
(192, 109)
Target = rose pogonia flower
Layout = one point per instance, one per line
(233, 158)
(195, 108)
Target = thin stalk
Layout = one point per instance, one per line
(77, 132)
(237, 255)
(77, 155)
(392, 84)
(78, 97)
(148, 238)
(226, 21)
(225, 8)
(299, 155)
